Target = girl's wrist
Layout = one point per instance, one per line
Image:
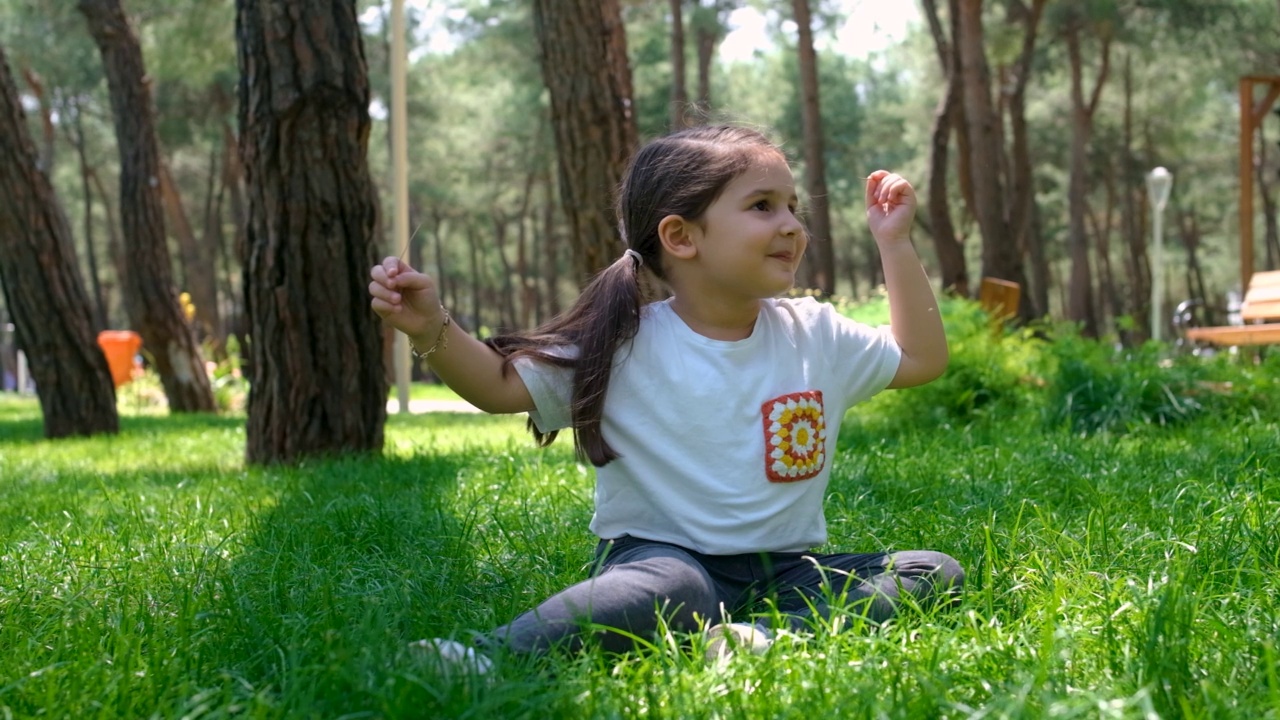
(892, 244)
(433, 340)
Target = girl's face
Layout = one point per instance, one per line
(750, 241)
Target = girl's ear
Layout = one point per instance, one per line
(677, 236)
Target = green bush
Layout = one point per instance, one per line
(1080, 384)
(992, 372)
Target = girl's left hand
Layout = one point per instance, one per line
(891, 207)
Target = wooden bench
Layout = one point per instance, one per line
(1261, 303)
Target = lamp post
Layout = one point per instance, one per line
(1159, 183)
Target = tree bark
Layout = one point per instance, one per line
(44, 295)
(1034, 301)
(86, 187)
(946, 242)
(316, 377)
(198, 269)
(1000, 255)
(1081, 306)
(583, 52)
(149, 295)
(679, 88)
(1136, 264)
(821, 257)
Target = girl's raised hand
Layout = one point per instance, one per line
(405, 298)
(891, 207)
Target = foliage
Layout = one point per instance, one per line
(1068, 381)
(1098, 387)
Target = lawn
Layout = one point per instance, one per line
(1111, 573)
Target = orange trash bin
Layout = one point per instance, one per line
(120, 347)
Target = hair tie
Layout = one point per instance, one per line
(635, 257)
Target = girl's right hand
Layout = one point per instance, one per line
(405, 298)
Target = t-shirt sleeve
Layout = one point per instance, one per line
(864, 358)
(551, 388)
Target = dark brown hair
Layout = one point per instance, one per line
(679, 174)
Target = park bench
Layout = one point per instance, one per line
(1261, 304)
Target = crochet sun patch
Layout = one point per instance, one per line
(795, 436)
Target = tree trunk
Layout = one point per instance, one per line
(551, 249)
(821, 257)
(1000, 255)
(1191, 237)
(1262, 178)
(959, 121)
(583, 50)
(317, 381)
(1138, 268)
(473, 247)
(86, 187)
(44, 295)
(679, 88)
(1022, 178)
(506, 287)
(198, 269)
(47, 135)
(115, 247)
(1109, 302)
(706, 37)
(149, 294)
(946, 242)
(1080, 307)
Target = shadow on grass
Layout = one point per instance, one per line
(359, 556)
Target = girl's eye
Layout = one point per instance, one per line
(762, 205)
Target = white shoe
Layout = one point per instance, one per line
(452, 657)
(726, 638)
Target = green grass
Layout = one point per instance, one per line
(1127, 575)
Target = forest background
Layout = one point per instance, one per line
(1029, 128)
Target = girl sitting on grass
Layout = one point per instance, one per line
(712, 416)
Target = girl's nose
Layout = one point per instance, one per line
(791, 226)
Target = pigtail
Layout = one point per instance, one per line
(605, 315)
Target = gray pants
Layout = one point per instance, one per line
(638, 584)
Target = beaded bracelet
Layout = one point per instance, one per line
(441, 343)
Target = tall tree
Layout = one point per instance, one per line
(679, 86)
(150, 299)
(316, 375)
(1001, 257)
(1021, 192)
(821, 258)
(947, 116)
(45, 296)
(583, 50)
(1076, 25)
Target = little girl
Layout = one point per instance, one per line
(712, 416)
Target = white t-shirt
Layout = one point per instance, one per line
(725, 446)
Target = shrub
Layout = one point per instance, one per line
(991, 372)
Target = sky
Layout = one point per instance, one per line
(871, 26)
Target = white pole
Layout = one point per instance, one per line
(400, 181)
(22, 373)
(1159, 183)
(1157, 276)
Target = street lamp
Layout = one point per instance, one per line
(1159, 183)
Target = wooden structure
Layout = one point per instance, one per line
(999, 298)
(1251, 116)
(1262, 289)
(1261, 303)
